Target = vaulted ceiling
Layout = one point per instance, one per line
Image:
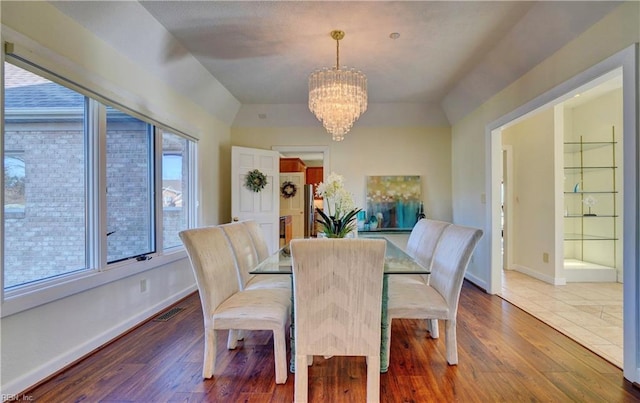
(451, 55)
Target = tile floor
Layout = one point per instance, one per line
(589, 313)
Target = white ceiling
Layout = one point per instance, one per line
(452, 54)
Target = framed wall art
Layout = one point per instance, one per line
(393, 202)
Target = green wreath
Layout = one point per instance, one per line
(288, 189)
(255, 181)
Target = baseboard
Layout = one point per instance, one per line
(477, 281)
(71, 357)
(538, 275)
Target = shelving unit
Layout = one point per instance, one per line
(590, 209)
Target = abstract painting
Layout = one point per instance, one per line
(393, 202)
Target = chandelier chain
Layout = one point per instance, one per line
(337, 54)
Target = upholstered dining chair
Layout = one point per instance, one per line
(225, 306)
(257, 237)
(247, 259)
(438, 299)
(337, 304)
(429, 232)
(422, 242)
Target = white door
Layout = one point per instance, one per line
(263, 206)
(294, 206)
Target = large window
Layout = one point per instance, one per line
(45, 182)
(79, 182)
(175, 188)
(129, 186)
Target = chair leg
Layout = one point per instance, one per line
(451, 342)
(280, 355)
(373, 378)
(232, 339)
(301, 385)
(209, 362)
(432, 326)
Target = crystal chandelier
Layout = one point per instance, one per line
(337, 97)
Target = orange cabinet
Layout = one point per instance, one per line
(314, 176)
(292, 165)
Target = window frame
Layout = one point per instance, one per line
(97, 272)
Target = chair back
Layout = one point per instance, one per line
(257, 236)
(415, 237)
(213, 266)
(245, 254)
(337, 295)
(424, 239)
(450, 261)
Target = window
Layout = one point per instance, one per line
(79, 182)
(45, 185)
(129, 186)
(175, 186)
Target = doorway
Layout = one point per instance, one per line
(315, 159)
(625, 64)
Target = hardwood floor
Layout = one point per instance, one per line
(504, 355)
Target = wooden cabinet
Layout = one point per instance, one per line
(292, 165)
(286, 232)
(315, 175)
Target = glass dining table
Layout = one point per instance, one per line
(396, 262)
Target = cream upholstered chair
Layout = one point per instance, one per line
(429, 232)
(257, 237)
(337, 304)
(247, 259)
(422, 242)
(439, 298)
(225, 307)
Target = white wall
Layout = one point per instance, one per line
(471, 144)
(533, 207)
(37, 342)
(370, 151)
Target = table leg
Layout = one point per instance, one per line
(292, 334)
(385, 328)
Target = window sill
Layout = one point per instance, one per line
(25, 298)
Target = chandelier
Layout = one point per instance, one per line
(337, 97)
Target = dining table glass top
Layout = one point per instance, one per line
(396, 261)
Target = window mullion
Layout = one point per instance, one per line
(96, 187)
(193, 199)
(156, 200)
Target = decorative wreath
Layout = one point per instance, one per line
(255, 181)
(288, 189)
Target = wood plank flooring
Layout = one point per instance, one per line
(504, 355)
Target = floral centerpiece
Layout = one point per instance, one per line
(340, 217)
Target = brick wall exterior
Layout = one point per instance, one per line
(48, 237)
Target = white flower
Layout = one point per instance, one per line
(338, 200)
(344, 201)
